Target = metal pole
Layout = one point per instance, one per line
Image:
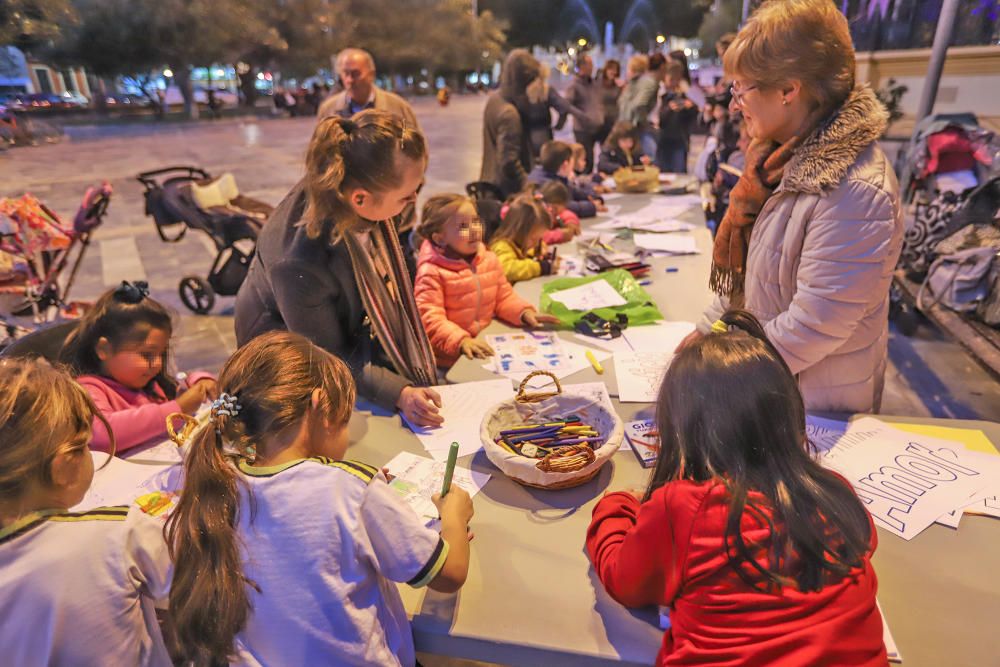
(942, 37)
(746, 12)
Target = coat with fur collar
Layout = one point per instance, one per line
(821, 257)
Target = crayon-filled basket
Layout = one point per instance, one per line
(550, 440)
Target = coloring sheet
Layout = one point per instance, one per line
(462, 406)
(416, 479)
(909, 480)
(526, 351)
(675, 244)
(639, 375)
(589, 296)
(120, 482)
(658, 337)
(576, 361)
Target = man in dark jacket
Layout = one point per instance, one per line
(584, 93)
(506, 149)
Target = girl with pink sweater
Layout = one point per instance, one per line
(119, 354)
(460, 285)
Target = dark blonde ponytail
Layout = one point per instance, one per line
(360, 152)
(270, 381)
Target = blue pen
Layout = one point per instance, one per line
(645, 282)
(672, 269)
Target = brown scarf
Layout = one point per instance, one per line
(387, 294)
(765, 165)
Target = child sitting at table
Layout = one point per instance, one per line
(518, 243)
(762, 555)
(76, 588)
(621, 149)
(283, 552)
(565, 223)
(460, 285)
(557, 165)
(119, 352)
(588, 182)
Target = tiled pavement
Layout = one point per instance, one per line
(928, 374)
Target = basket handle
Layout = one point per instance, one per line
(190, 426)
(567, 459)
(524, 397)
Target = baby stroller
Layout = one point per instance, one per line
(35, 249)
(179, 198)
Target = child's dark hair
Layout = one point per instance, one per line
(123, 315)
(556, 193)
(437, 211)
(623, 129)
(729, 411)
(554, 154)
(525, 213)
(272, 379)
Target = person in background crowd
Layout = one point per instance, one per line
(638, 99)
(507, 156)
(678, 115)
(356, 70)
(621, 149)
(584, 93)
(610, 91)
(542, 99)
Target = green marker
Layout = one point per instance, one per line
(449, 469)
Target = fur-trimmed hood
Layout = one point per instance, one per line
(822, 161)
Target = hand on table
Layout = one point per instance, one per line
(599, 205)
(420, 406)
(456, 506)
(533, 319)
(475, 349)
(645, 159)
(203, 390)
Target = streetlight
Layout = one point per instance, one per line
(582, 42)
(168, 73)
(660, 39)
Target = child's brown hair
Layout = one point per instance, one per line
(437, 211)
(271, 379)
(555, 193)
(623, 129)
(525, 213)
(554, 155)
(362, 151)
(43, 412)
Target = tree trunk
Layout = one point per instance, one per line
(248, 86)
(182, 77)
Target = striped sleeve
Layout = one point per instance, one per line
(404, 548)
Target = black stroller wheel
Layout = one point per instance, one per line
(197, 294)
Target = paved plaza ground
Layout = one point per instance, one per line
(928, 375)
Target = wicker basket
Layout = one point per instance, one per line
(637, 179)
(567, 466)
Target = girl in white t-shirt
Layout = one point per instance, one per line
(284, 552)
(76, 588)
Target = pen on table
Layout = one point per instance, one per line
(449, 469)
(645, 282)
(593, 362)
(672, 269)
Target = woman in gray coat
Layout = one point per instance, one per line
(814, 227)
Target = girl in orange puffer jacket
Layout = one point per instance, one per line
(460, 284)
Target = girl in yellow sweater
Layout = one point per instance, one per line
(518, 243)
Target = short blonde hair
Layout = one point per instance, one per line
(638, 64)
(808, 40)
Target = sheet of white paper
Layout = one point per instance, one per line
(163, 452)
(462, 407)
(667, 226)
(416, 479)
(120, 482)
(677, 244)
(909, 480)
(575, 361)
(618, 345)
(658, 337)
(591, 236)
(571, 265)
(588, 296)
(639, 375)
(687, 200)
(526, 351)
(612, 211)
(611, 196)
(824, 433)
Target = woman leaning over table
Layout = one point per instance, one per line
(814, 227)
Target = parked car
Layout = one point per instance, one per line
(225, 97)
(126, 101)
(74, 100)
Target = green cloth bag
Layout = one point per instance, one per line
(639, 308)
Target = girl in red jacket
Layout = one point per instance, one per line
(460, 284)
(119, 352)
(763, 556)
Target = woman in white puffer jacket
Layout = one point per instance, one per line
(814, 227)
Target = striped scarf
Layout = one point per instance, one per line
(389, 302)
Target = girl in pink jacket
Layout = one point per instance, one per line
(460, 284)
(119, 354)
